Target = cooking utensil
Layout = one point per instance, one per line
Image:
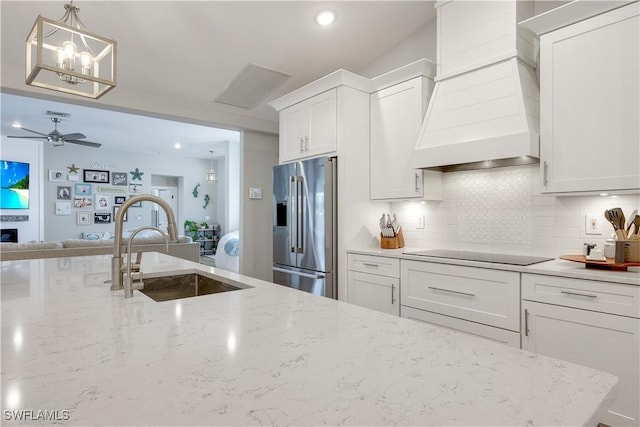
(616, 217)
(630, 219)
(635, 223)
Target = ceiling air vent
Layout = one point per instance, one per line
(252, 85)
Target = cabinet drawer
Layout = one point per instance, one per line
(490, 297)
(374, 264)
(592, 295)
(490, 333)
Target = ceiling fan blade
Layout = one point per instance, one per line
(27, 137)
(85, 143)
(29, 130)
(69, 136)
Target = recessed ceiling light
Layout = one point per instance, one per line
(326, 17)
(604, 194)
(177, 146)
(16, 125)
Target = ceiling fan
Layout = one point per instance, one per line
(58, 139)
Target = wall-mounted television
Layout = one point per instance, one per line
(14, 185)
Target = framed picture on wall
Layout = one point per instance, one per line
(101, 218)
(82, 202)
(55, 175)
(83, 218)
(118, 200)
(64, 192)
(63, 208)
(83, 189)
(102, 202)
(119, 178)
(91, 175)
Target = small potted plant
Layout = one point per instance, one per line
(191, 229)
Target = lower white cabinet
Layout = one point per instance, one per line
(577, 321)
(477, 301)
(375, 292)
(374, 282)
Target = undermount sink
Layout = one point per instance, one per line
(168, 288)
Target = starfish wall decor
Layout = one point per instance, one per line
(136, 175)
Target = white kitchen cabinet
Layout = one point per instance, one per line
(580, 321)
(589, 104)
(477, 301)
(309, 128)
(396, 118)
(374, 282)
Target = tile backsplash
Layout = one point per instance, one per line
(502, 211)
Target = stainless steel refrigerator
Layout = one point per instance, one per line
(304, 226)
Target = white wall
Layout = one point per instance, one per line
(502, 211)
(259, 155)
(420, 44)
(26, 151)
(188, 172)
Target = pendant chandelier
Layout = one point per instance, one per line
(211, 175)
(64, 56)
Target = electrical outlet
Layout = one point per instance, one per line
(420, 225)
(592, 224)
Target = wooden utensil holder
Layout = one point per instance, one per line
(628, 251)
(392, 242)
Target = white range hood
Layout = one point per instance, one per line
(484, 109)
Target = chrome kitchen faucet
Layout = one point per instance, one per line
(117, 272)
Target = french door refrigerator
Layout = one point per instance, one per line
(304, 226)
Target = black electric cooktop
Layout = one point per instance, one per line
(482, 256)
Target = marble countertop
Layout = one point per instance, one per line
(265, 355)
(556, 267)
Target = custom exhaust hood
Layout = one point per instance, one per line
(484, 109)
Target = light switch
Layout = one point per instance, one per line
(255, 193)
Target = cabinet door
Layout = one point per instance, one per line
(589, 104)
(293, 129)
(322, 134)
(396, 117)
(309, 128)
(375, 292)
(601, 341)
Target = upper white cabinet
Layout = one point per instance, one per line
(396, 117)
(308, 128)
(589, 94)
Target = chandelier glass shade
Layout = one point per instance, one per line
(64, 56)
(211, 176)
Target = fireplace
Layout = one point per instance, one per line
(9, 235)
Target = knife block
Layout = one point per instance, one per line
(395, 242)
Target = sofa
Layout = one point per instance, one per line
(184, 248)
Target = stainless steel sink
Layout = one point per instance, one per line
(168, 288)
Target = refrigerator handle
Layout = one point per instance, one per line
(300, 220)
(292, 214)
(299, 273)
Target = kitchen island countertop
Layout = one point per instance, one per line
(265, 355)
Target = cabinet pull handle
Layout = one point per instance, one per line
(545, 174)
(526, 322)
(452, 291)
(579, 294)
(301, 145)
(393, 288)
(306, 143)
(368, 264)
(417, 182)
